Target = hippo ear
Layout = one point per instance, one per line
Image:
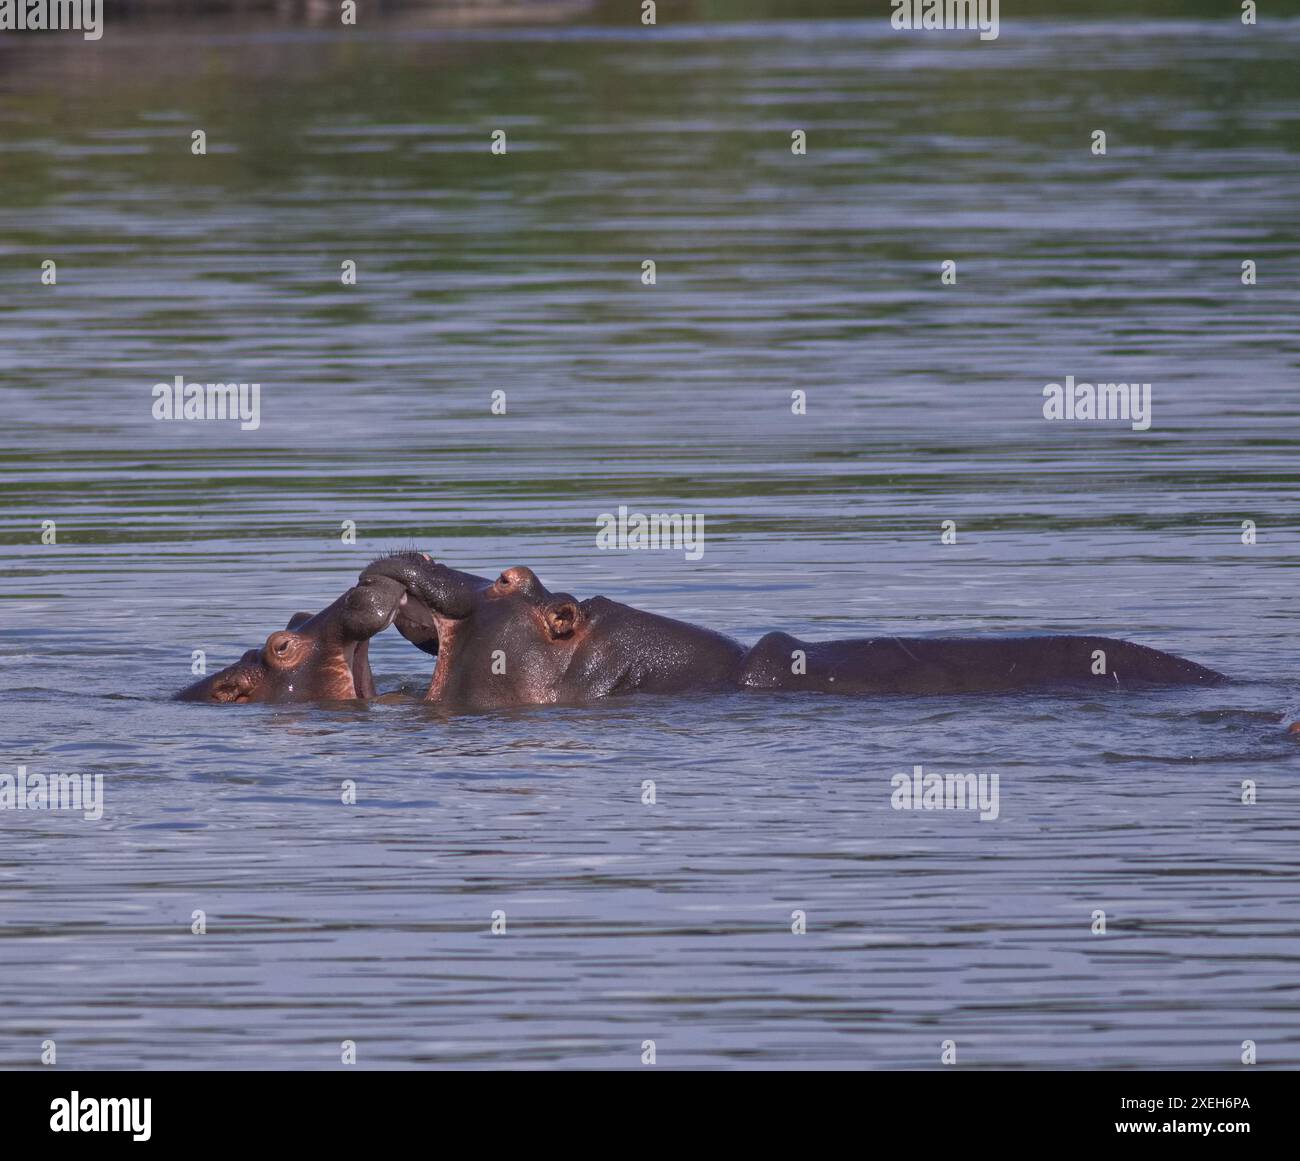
(286, 650)
(562, 619)
(298, 620)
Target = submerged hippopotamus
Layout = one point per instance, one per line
(513, 642)
(314, 658)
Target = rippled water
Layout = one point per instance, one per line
(669, 922)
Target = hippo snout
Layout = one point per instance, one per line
(443, 591)
(370, 605)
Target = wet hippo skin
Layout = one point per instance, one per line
(963, 664)
(513, 642)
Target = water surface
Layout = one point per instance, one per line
(775, 273)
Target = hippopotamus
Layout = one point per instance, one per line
(314, 658)
(511, 641)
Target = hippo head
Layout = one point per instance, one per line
(502, 642)
(325, 657)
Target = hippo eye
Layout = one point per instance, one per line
(281, 647)
(503, 581)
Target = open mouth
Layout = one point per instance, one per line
(366, 609)
(434, 633)
(438, 606)
(402, 602)
(434, 600)
(414, 613)
(424, 627)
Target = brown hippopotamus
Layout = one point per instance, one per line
(512, 642)
(315, 658)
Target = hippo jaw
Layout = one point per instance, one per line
(321, 657)
(437, 602)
